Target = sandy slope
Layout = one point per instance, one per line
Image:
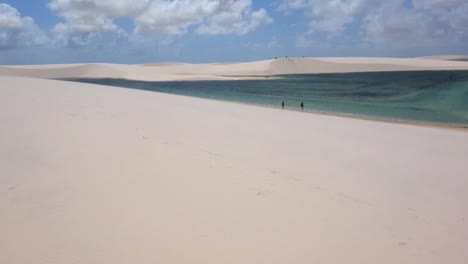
(151, 72)
(448, 57)
(95, 174)
(168, 71)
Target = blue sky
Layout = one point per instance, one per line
(137, 31)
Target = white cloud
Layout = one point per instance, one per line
(67, 37)
(16, 31)
(428, 23)
(110, 8)
(330, 16)
(236, 18)
(424, 22)
(88, 16)
(286, 6)
(172, 17)
(438, 3)
(302, 41)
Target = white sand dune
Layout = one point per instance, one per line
(147, 72)
(168, 71)
(96, 174)
(448, 57)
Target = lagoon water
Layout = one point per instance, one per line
(429, 96)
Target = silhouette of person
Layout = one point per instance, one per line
(302, 105)
(282, 104)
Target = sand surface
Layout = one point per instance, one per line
(448, 57)
(96, 174)
(169, 71)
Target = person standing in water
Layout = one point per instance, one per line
(302, 105)
(282, 104)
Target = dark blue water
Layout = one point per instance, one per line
(430, 96)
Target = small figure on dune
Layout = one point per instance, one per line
(302, 105)
(282, 104)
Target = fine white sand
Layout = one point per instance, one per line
(448, 57)
(95, 174)
(228, 71)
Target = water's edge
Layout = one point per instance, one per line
(419, 98)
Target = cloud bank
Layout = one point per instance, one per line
(397, 22)
(83, 19)
(18, 31)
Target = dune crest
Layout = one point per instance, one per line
(169, 71)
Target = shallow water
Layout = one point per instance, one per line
(430, 96)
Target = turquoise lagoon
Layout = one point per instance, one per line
(427, 96)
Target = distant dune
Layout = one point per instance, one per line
(448, 57)
(169, 71)
(164, 64)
